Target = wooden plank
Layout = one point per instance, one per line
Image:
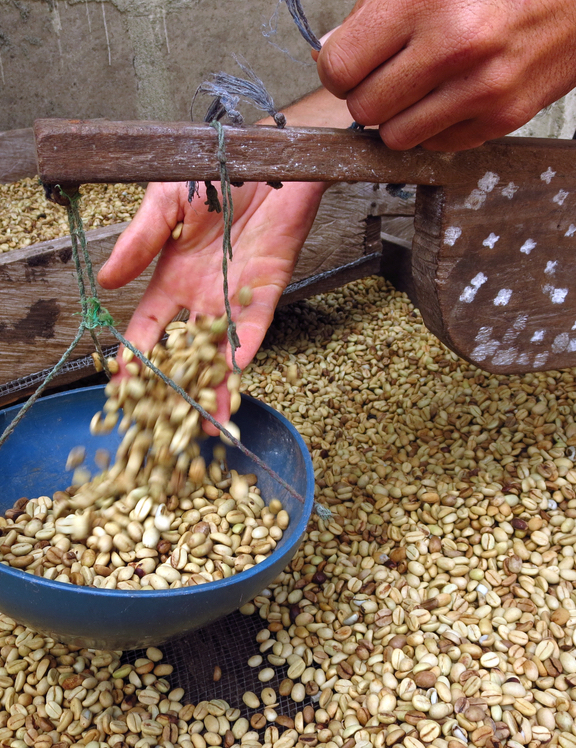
(338, 235)
(495, 273)
(73, 151)
(39, 303)
(17, 155)
(400, 227)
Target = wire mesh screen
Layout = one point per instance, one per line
(84, 364)
(228, 644)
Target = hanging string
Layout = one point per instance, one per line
(228, 216)
(91, 309)
(299, 18)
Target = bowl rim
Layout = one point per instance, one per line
(263, 566)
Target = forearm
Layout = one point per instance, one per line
(316, 109)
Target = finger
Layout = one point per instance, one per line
(414, 73)
(449, 105)
(155, 310)
(459, 137)
(366, 39)
(222, 414)
(145, 236)
(252, 325)
(396, 85)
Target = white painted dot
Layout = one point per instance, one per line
(503, 297)
(528, 246)
(560, 197)
(510, 190)
(505, 357)
(557, 295)
(486, 347)
(490, 241)
(451, 234)
(484, 333)
(523, 359)
(571, 230)
(538, 336)
(521, 321)
(574, 326)
(541, 358)
(548, 175)
(550, 268)
(484, 350)
(512, 332)
(572, 345)
(560, 342)
(470, 291)
(488, 181)
(475, 200)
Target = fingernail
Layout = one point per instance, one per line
(328, 35)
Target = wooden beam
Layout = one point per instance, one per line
(17, 155)
(75, 151)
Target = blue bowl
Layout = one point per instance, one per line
(32, 464)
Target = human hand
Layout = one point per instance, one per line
(270, 227)
(450, 74)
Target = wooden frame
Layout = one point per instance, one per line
(491, 265)
(39, 295)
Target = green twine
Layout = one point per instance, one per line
(228, 215)
(94, 315)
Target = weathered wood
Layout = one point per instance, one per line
(102, 151)
(492, 260)
(495, 271)
(39, 303)
(399, 228)
(17, 155)
(338, 235)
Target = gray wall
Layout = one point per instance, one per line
(143, 59)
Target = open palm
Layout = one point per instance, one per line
(270, 227)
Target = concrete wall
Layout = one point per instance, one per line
(143, 59)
